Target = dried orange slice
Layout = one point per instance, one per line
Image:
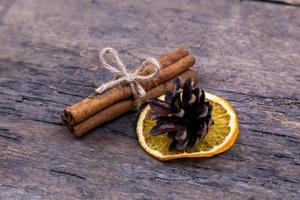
(220, 137)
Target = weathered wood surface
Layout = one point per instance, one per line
(248, 52)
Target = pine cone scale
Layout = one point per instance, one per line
(184, 115)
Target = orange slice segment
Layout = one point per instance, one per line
(220, 137)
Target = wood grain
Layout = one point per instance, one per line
(247, 52)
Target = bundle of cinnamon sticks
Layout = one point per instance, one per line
(95, 110)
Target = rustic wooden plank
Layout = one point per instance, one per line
(247, 52)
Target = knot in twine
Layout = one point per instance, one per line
(123, 76)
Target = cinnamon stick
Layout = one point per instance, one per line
(179, 60)
(124, 106)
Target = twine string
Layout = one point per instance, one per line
(123, 75)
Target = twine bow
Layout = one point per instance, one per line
(123, 75)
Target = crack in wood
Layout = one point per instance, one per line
(119, 132)
(257, 95)
(39, 99)
(51, 49)
(46, 121)
(8, 135)
(273, 133)
(279, 2)
(67, 174)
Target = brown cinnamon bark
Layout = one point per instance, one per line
(167, 59)
(173, 64)
(124, 106)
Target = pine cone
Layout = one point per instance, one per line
(184, 115)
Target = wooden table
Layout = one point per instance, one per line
(247, 52)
